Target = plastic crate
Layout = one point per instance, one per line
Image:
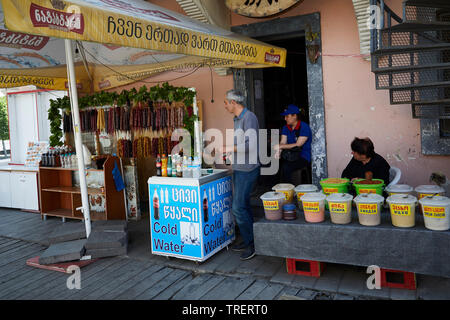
(302, 267)
(407, 280)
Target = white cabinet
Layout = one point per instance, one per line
(5, 189)
(24, 190)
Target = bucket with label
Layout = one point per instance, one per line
(436, 211)
(428, 191)
(403, 210)
(369, 186)
(340, 206)
(334, 185)
(302, 189)
(369, 208)
(273, 205)
(287, 189)
(314, 206)
(289, 211)
(398, 188)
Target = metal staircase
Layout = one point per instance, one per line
(411, 56)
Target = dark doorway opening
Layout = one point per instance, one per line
(283, 86)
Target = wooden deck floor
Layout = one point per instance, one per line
(142, 276)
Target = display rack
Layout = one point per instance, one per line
(60, 198)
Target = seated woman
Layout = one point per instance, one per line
(295, 134)
(366, 163)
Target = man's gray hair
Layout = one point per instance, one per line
(235, 95)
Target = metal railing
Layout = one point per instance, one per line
(386, 17)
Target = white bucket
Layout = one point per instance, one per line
(340, 206)
(301, 190)
(369, 208)
(436, 212)
(287, 189)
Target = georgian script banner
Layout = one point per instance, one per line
(136, 24)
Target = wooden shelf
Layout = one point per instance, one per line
(67, 169)
(63, 213)
(60, 198)
(72, 190)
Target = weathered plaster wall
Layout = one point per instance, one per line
(352, 105)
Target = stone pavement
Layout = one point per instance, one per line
(141, 275)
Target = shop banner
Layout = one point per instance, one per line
(136, 24)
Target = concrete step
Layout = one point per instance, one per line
(63, 252)
(106, 240)
(68, 232)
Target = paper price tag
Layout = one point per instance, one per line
(311, 206)
(434, 212)
(401, 210)
(337, 207)
(270, 205)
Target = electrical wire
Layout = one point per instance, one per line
(124, 75)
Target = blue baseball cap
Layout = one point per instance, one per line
(291, 109)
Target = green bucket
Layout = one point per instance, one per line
(369, 188)
(330, 186)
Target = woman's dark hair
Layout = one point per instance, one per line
(364, 147)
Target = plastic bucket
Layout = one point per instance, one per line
(289, 211)
(340, 206)
(273, 204)
(287, 189)
(301, 190)
(314, 206)
(334, 185)
(399, 188)
(428, 191)
(436, 212)
(362, 188)
(403, 210)
(369, 208)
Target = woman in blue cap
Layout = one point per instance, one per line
(295, 144)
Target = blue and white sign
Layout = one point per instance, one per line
(190, 221)
(217, 218)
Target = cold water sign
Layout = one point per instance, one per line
(217, 220)
(175, 220)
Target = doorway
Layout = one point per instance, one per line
(303, 85)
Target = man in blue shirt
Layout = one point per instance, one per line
(295, 134)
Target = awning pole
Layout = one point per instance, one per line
(78, 142)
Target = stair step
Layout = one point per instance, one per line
(427, 3)
(412, 48)
(401, 69)
(420, 95)
(427, 12)
(391, 39)
(416, 85)
(422, 77)
(410, 61)
(430, 111)
(420, 26)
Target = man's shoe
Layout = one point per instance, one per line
(239, 246)
(248, 253)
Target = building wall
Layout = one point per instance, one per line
(352, 105)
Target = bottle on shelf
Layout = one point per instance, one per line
(196, 168)
(156, 205)
(158, 166)
(169, 166)
(179, 167)
(164, 165)
(185, 167)
(205, 207)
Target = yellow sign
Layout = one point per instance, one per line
(368, 208)
(367, 191)
(328, 191)
(270, 205)
(311, 206)
(136, 25)
(423, 195)
(434, 212)
(401, 210)
(338, 207)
